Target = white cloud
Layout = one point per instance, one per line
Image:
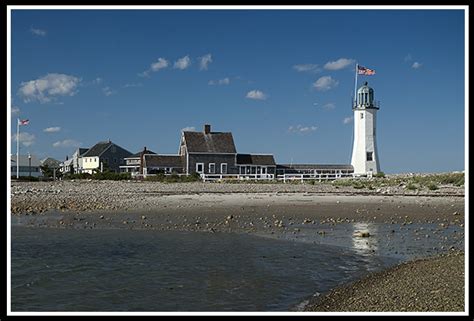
(325, 83)
(204, 61)
(306, 67)
(15, 110)
(416, 65)
(329, 106)
(302, 129)
(182, 63)
(341, 63)
(26, 139)
(108, 91)
(160, 64)
(38, 32)
(52, 129)
(97, 81)
(66, 143)
(188, 129)
(348, 120)
(224, 81)
(131, 85)
(256, 94)
(45, 89)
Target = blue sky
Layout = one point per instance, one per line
(280, 80)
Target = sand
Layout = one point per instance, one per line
(267, 208)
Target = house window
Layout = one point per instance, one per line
(242, 170)
(115, 160)
(224, 168)
(199, 168)
(212, 168)
(370, 156)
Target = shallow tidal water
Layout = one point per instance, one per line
(145, 270)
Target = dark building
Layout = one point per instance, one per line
(212, 154)
(104, 156)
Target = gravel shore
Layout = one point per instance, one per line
(281, 210)
(426, 285)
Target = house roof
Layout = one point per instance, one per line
(255, 159)
(50, 162)
(82, 151)
(155, 160)
(315, 166)
(214, 142)
(98, 149)
(136, 155)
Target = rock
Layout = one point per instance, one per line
(362, 234)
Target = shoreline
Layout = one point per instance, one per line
(432, 284)
(283, 212)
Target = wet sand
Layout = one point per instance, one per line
(241, 208)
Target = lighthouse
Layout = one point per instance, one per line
(365, 159)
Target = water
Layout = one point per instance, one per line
(140, 270)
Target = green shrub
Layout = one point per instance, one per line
(432, 186)
(412, 186)
(380, 175)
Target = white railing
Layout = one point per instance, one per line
(220, 177)
(319, 177)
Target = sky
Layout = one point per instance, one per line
(280, 80)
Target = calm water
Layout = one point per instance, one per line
(133, 270)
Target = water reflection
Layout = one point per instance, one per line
(364, 238)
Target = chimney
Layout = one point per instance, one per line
(207, 129)
(141, 159)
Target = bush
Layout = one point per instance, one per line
(411, 186)
(26, 178)
(174, 178)
(380, 175)
(432, 186)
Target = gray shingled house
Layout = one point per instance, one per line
(210, 153)
(104, 155)
(133, 163)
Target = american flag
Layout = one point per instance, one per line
(23, 122)
(361, 70)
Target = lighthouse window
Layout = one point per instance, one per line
(361, 116)
(369, 156)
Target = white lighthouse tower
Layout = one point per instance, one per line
(365, 159)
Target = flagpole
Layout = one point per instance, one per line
(17, 148)
(355, 85)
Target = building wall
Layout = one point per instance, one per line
(90, 163)
(365, 141)
(217, 159)
(114, 157)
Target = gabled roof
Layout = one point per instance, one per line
(255, 159)
(50, 162)
(174, 161)
(82, 151)
(136, 155)
(214, 142)
(98, 149)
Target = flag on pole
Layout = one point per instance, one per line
(23, 122)
(361, 70)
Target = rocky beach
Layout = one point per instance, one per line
(271, 209)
